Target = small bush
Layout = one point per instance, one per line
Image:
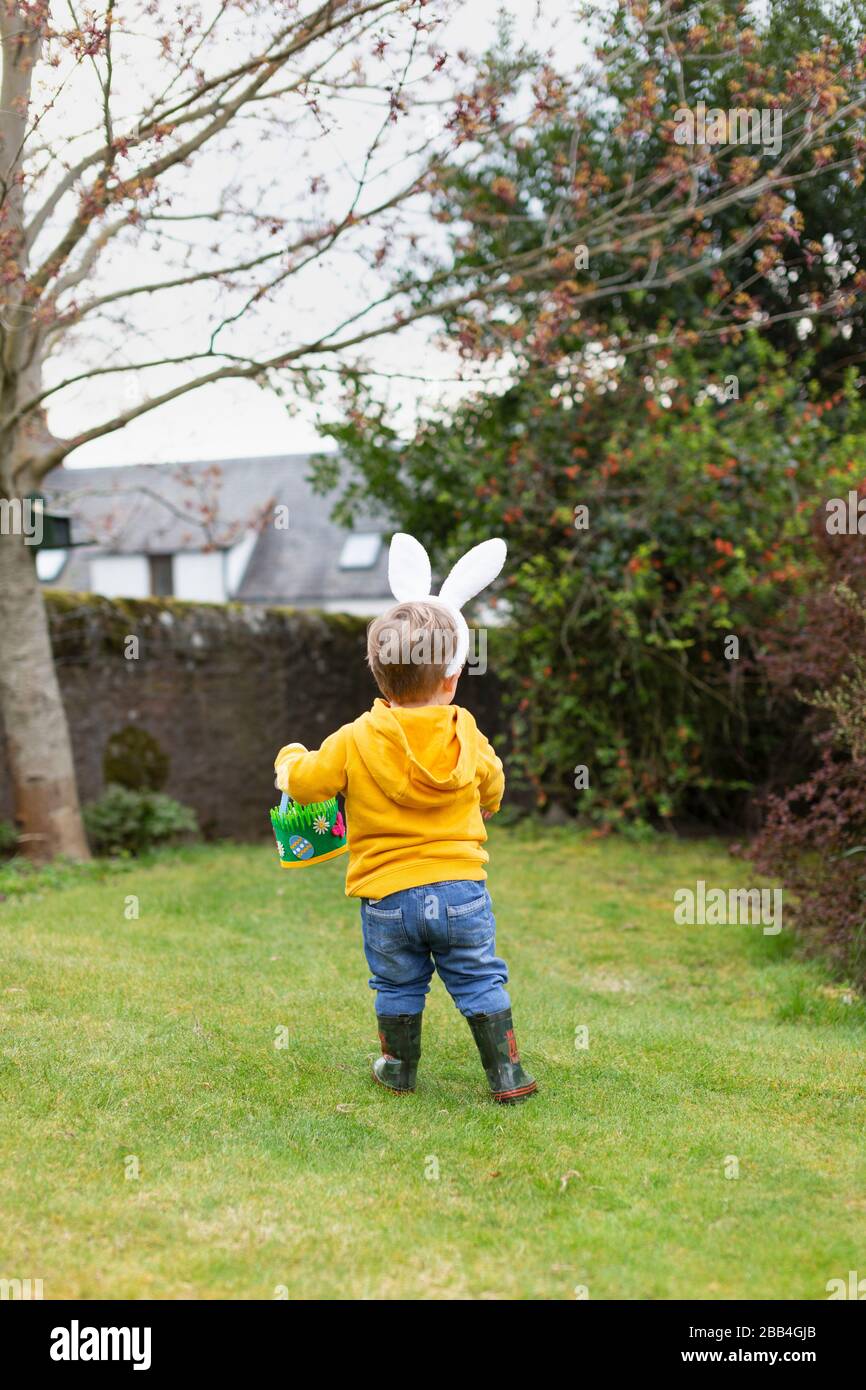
(133, 758)
(131, 822)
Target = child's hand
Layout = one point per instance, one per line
(485, 815)
(281, 781)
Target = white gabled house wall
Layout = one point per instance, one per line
(200, 578)
(120, 576)
(212, 576)
(237, 557)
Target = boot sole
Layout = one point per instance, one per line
(509, 1097)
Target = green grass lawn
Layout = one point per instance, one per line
(149, 1043)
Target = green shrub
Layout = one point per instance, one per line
(647, 527)
(131, 822)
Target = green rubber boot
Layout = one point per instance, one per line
(494, 1038)
(400, 1036)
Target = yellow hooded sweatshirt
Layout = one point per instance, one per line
(415, 781)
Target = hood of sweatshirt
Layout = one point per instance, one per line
(415, 755)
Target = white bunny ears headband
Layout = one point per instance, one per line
(411, 579)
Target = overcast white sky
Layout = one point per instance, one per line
(235, 419)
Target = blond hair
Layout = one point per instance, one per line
(409, 649)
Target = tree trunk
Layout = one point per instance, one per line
(38, 747)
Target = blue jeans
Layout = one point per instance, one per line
(448, 926)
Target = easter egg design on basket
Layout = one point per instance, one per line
(308, 834)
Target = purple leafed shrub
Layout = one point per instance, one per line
(814, 834)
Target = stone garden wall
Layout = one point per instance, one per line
(218, 688)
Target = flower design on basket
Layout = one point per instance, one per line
(320, 825)
(281, 847)
(338, 828)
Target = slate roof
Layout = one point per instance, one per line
(169, 508)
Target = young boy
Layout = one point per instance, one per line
(419, 779)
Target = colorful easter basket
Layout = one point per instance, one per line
(308, 835)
